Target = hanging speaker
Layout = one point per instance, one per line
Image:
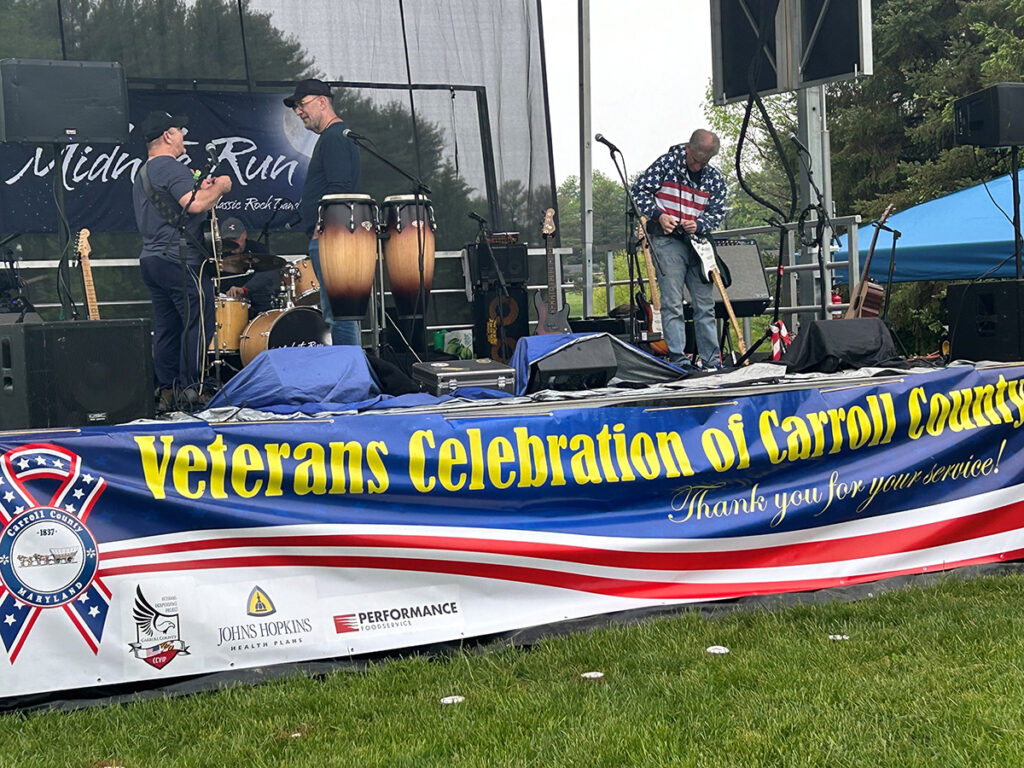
(993, 117)
(63, 102)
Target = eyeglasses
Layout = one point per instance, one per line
(305, 103)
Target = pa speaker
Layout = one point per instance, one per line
(587, 364)
(993, 117)
(74, 374)
(511, 259)
(63, 102)
(499, 321)
(985, 321)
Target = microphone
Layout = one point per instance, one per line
(350, 134)
(213, 155)
(477, 217)
(799, 144)
(295, 219)
(607, 143)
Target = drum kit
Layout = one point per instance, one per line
(353, 232)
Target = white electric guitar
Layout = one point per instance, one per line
(706, 251)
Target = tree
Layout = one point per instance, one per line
(609, 213)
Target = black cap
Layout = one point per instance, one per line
(157, 122)
(304, 88)
(231, 229)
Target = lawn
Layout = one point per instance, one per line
(929, 676)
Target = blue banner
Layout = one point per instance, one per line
(262, 146)
(162, 549)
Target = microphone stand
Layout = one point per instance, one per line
(634, 213)
(420, 191)
(817, 241)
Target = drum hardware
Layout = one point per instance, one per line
(240, 263)
(301, 284)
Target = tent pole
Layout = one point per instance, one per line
(1016, 210)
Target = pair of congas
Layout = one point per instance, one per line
(289, 327)
(349, 226)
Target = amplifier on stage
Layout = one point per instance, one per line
(444, 378)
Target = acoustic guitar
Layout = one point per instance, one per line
(82, 250)
(550, 319)
(866, 298)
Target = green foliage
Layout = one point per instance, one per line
(609, 213)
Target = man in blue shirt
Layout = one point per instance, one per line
(170, 209)
(333, 169)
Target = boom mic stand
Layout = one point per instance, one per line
(634, 212)
(420, 192)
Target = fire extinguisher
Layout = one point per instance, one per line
(836, 299)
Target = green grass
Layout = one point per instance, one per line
(929, 677)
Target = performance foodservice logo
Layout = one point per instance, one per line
(403, 617)
(259, 635)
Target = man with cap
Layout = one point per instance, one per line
(258, 287)
(170, 203)
(333, 169)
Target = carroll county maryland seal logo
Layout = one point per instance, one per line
(48, 557)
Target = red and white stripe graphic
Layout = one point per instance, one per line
(979, 529)
(682, 201)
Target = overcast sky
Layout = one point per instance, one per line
(650, 65)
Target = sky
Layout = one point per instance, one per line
(650, 64)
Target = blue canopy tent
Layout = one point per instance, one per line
(960, 236)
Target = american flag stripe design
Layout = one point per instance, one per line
(979, 529)
(682, 201)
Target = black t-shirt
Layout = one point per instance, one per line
(333, 170)
(171, 180)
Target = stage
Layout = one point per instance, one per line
(238, 539)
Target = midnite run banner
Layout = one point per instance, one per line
(260, 144)
(157, 550)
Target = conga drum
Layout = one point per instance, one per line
(232, 317)
(294, 327)
(348, 252)
(409, 225)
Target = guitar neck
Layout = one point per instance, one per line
(91, 303)
(649, 265)
(553, 287)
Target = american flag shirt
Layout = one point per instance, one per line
(668, 187)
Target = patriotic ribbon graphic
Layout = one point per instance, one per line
(48, 558)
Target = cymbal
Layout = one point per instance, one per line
(238, 263)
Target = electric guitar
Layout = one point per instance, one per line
(706, 251)
(653, 308)
(550, 319)
(866, 298)
(82, 249)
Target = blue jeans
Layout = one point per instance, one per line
(678, 265)
(342, 331)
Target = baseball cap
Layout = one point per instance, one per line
(304, 88)
(158, 121)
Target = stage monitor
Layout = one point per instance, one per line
(63, 102)
(992, 117)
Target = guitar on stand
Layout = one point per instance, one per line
(550, 319)
(83, 250)
(652, 308)
(866, 298)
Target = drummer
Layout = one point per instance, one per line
(333, 169)
(259, 288)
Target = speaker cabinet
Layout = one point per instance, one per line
(993, 117)
(985, 321)
(749, 293)
(499, 321)
(587, 364)
(62, 102)
(511, 259)
(74, 374)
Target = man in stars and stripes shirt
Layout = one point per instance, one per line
(681, 195)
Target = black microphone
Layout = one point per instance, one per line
(350, 134)
(477, 217)
(296, 218)
(607, 143)
(213, 155)
(799, 144)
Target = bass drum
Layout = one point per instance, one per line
(295, 327)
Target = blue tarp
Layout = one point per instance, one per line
(960, 236)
